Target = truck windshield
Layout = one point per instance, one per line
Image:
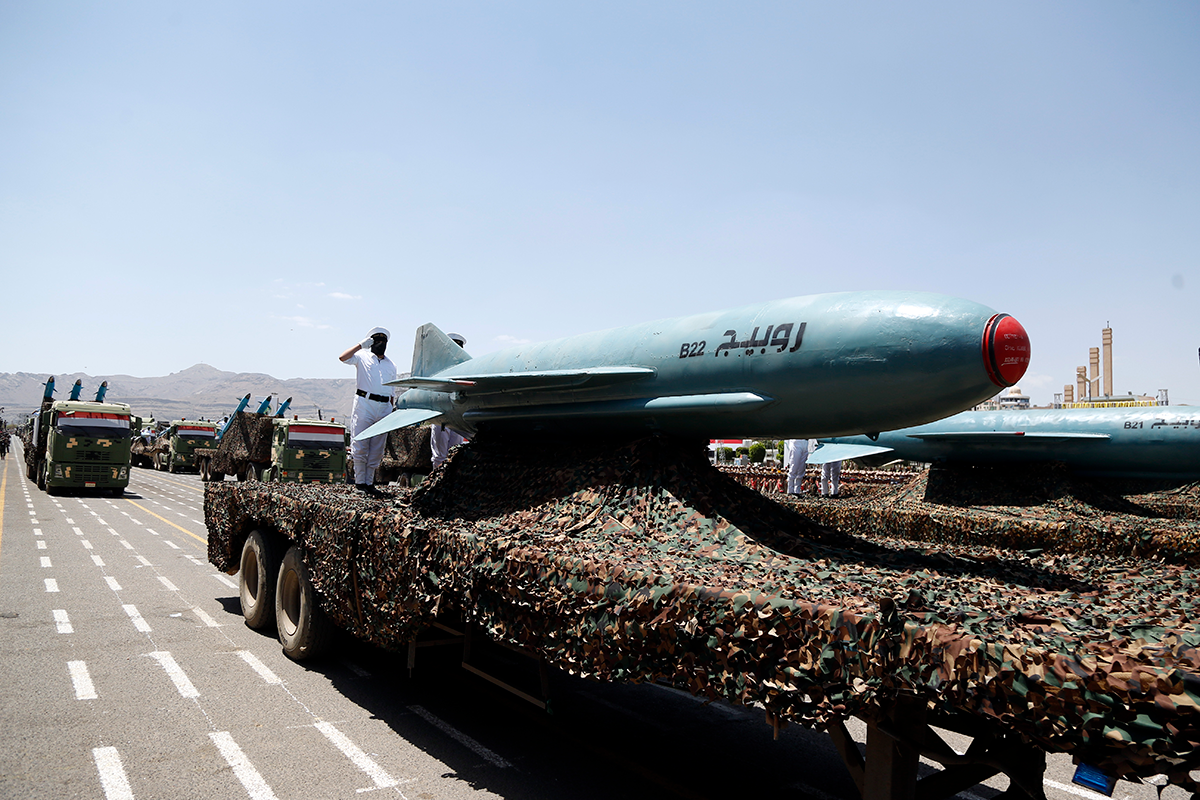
(93, 424)
(189, 432)
(320, 437)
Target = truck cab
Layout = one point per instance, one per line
(86, 446)
(183, 437)
(307, 451)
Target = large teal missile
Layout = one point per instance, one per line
(823, 365)
(1146, 441)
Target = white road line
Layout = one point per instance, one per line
(205, 618)
(357, 756)
(145, 563)
(177, 676)
(78, 532)
(45, 561)
(114, 533)
(112, 583)
(226, 581)
(84, 690)
(112, 774)
(1078, 791)
(356, 669)
(71, 522)
(126, 545)
(151, 530)
(86, 544)
(62, 621)
(262, 669)
(255, 786)
(98, 561)
(459, 736)
(37, 531)
(51, 585)
(170, 586)
(138, 622)
(102, 522)
(169, 543)
(41, 545)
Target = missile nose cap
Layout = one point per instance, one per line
(1005, 350)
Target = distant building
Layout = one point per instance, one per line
(1010, 400)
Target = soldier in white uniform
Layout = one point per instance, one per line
(795, 457)
(441, 438)
(373, 401)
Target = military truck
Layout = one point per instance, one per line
(174, 449)
(260, 446)
(79, 444)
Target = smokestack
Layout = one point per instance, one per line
(1081, 384)
(1094, 361)
(1068, 394)
(1106, 340)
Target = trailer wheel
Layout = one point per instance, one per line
(171, 464)
(259, 567)
(215, 475)
(304, 629)
(204, 469)
(252, 472)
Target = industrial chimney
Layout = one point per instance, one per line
(1106, 340)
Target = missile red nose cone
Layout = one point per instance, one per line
(1005, 350)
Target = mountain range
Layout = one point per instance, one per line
(198, 391)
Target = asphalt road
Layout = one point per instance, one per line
(126, 672)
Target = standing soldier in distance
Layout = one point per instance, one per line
(372, 402)
(441, 438)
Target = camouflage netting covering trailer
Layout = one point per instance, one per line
(246, 439)
(647, 564)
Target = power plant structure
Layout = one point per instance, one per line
(1086, 393)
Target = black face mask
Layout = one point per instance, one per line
(379, 347)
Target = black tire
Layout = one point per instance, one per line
(252, 472)
(258, 570)
(170, 464)
(304, 629)
(214, 475)
(41, 476)
(204, 469)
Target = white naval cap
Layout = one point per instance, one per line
(384, 331)
(458, 338)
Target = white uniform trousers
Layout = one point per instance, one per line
(799, 460)
(367, 454)
(831, 478)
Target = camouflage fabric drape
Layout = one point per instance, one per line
(641, 562)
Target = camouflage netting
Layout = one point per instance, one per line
(644, 563)
(408, 450)
(247, 438)
(1024, 506)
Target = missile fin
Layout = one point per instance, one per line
(532, 380)
(1007, 437)
(434, 351)
(826, 453)
(718, 402)
(400, 418)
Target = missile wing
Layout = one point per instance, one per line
(823, 365)
(1142, 441)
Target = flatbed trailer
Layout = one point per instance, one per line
(641, 562)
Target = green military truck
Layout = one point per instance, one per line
(79, 444)
(175, 448)
(255, 446)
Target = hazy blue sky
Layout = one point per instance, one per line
(255, 185)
